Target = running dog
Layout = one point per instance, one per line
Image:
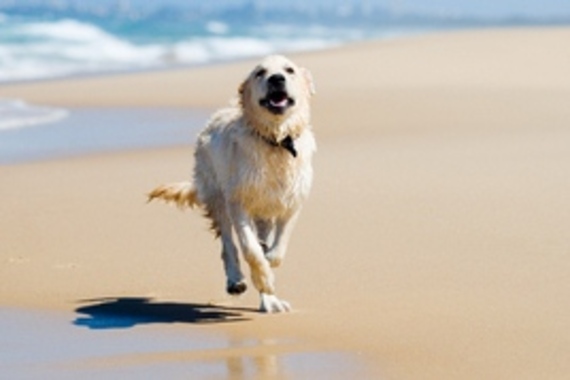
(253, 172)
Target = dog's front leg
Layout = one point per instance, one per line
(283, 228)
(261, 273)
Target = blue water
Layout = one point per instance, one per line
(91, 130)
(46, 38)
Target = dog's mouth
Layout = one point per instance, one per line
(277, 101)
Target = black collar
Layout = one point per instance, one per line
(287, 143)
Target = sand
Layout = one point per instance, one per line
(434, 245)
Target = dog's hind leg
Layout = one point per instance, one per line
(283, 228)
(264, 229)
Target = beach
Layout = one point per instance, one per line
(434, 244)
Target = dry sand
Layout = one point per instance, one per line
(435, 244)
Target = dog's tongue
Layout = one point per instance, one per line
(280, 103)
(278, 100)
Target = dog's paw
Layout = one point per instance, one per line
(272, 304)
(274, 259)
(236, 288)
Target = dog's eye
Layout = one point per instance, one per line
(260, 73)
(289, 70)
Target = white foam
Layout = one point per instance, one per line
(211, 49)
(85, 42)
(67, 30)
(18, 114)
(217, 27)
(69, 47)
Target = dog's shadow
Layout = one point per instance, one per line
(127, 312)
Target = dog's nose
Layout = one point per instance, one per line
(276, 80)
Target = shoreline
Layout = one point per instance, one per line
(399, 36)
(386, 36)
(98, 130)
(212, 86)
(433, 245)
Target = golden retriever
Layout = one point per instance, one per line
(252, 173)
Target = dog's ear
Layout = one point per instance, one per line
(243, 90)
(242, 86)
(309, 82)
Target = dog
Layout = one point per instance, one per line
(253, 172)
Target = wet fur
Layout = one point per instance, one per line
(249, 187)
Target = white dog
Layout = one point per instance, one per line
(253, 171)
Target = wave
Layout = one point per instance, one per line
(210, 49)
(48, 38)
(41, 49)
(66, 47)
(18, 114)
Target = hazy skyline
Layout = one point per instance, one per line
(477, 8)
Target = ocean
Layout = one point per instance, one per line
(46, 39)
(42, 39)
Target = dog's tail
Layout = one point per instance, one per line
(182, 194)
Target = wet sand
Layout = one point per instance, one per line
(101, 342)
(434, 244)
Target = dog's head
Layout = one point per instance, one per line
(277, 87)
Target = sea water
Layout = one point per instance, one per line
(48, 38)
(32, 132)
(44, 39)
(16, 114)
